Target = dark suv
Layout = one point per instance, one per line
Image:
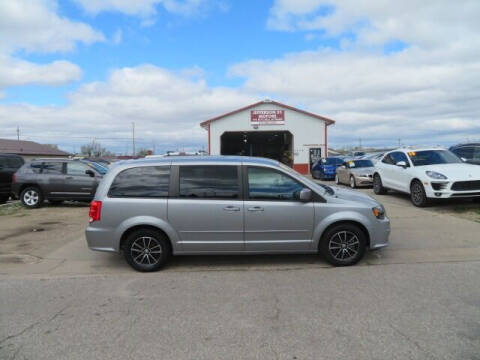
(470, 152)
(55, 180)
(9, 164)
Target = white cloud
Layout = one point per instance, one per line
(35, 26)
(143, 8)
(19, 72)
(426, 92)
(427, 23)
(166, 106)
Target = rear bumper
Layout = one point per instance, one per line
(100, 240)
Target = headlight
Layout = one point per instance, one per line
(435, 175)
(379, 212)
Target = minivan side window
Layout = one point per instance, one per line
(209, 182)
(267, 184)
(142, 182)
(54, 168)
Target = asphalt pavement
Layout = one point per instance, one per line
(418, 299)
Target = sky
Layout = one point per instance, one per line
(73, 71)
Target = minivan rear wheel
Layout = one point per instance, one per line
(32, 197)
(343, 245)
(146, 250)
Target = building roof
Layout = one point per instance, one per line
(22, 147)
(327, 120)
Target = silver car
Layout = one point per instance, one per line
(355, 173)
(154, 208)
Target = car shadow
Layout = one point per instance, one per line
(245, 262)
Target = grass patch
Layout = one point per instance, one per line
(10, 209)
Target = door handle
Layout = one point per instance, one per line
(231, 208)
(255, 208)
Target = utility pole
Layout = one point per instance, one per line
(399, 142)
(360, 143)
(18, 133)
(133, 138)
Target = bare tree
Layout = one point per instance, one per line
(94, 149)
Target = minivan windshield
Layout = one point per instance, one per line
(433, 157)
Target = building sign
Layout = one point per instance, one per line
(267, 117)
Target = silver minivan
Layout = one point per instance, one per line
(154, 208)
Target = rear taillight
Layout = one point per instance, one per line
(95, 211)
(14, 179)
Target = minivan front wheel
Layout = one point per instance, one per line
(31, 197)
(343, 245)
(146, 250)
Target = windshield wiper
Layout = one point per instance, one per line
(328, 189)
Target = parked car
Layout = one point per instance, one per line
(470, 152)
(355, 173)
(325, 168)
(356, 154)
(373, 157)
(9, 164)
(99, 167)
(55, 180)
(425, 174)
(150, 209)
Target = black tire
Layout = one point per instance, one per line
(4, 199)
(55, 202)
(418, 195)
(378, 186)
(136, 246)
(337, 180)
(343, 240)
(315, 174)
(353, 185)
(32, 197)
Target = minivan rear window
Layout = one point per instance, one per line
(143, 182)
(209, 182)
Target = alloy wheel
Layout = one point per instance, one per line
(31, 198)
(146, 250)
(417, 193)
(344, 245)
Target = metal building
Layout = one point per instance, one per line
(270, 129)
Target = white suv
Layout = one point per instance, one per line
(426, 173)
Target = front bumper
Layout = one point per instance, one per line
(380, 233)
(364, 180)
(443, 190)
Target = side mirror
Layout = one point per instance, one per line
(401, 164)
(305, 195)
(90, 173)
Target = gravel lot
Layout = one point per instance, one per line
(418, 299)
